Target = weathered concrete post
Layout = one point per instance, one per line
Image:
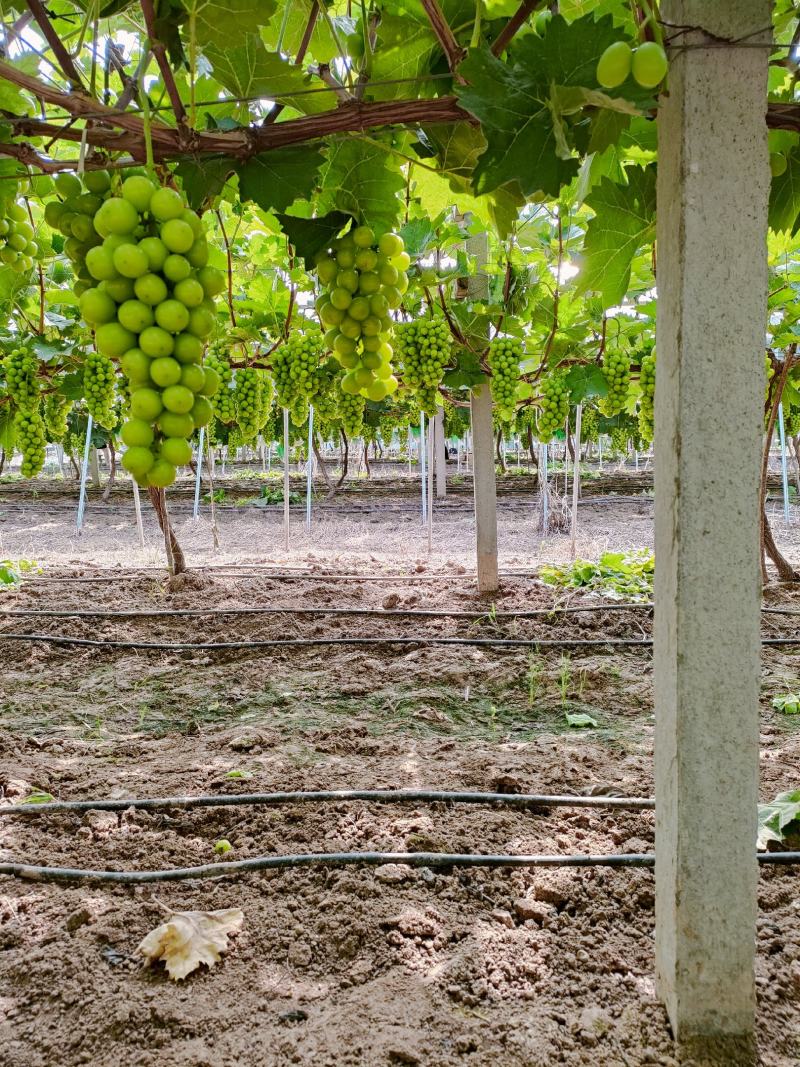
(713, 185)
(483, 475)
(439, 450)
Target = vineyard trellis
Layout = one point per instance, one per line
(217, 217)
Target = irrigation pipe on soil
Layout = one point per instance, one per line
(342, 859)
(379, 796)
(301, 642)
(434, 613)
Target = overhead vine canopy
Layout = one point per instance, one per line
(308, 98)
(326, 163)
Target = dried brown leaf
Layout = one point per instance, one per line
(189, 938)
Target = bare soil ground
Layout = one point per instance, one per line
(355, 966)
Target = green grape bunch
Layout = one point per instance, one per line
(504, 358)
(424, 347)
(351, 411)
(617, 372)
(647, 382)
(428, 399)
(98, 389)
(147, 290)
(296, 366)
(31, 440)
(590, 424)
(20, 367)
(553, 407)
(248, 398)
(224, 401)
(18, 249)
(363, 280)
(56, 413)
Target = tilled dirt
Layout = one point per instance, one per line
(351, 966)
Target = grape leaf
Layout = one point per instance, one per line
(773, 819)
(308, 236)
(222, 22)
(203, 180)
(189, 938)
(249, 70)
(585, 381)
(624, 221)
(784, 197)
(277, 178)
(362, 180)
(457, 148)
(528, 139)
(286, 36)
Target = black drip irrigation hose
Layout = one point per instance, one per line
(536, 613)
(223, 869)
(326, 796)
(310, 642)
(374, 642)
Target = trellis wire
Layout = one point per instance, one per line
(198, 473)
(325, 796)
(433, 860)
(84, 471)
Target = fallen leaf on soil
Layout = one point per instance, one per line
(189, 938)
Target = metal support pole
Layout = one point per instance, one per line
(784, 468)
(286, 479)
(422, 463)
(576, 480)
(84, 472)
(309, 465)
(199, 472)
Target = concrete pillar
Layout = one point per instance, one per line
(94, 468)
(713, 185)
(438, 448)
(483, 476)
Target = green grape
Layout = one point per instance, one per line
(619, 439)
(20, 367)
(224, 399)
(98, 389)
(351, 408)
(792, 422)
(295, 366)
(362, 281)
(18, 249)
(617, 371)
(424, 348)
(31, 440)
(141, 260)
(298, 411)
(590, 425)
(428, 399)
(504, 358)
(647, 381)
(56, 411)
(554, 407)
(248, 400)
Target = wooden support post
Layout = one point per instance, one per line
(713, 188)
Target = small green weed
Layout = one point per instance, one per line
(616, 575)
